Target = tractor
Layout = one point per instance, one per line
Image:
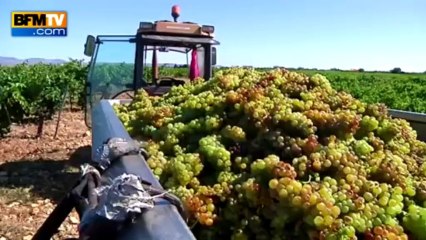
(151, 39)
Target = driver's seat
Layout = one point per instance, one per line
(171, 82)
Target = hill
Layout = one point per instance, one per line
(10, 61)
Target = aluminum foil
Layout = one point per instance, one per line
(125, 194)
(113, 149)
(87, 168)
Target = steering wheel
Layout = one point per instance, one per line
(126, 91)
(162, 82)
(170, 81)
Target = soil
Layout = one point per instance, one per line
(35, 174)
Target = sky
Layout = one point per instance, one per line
(345, 34)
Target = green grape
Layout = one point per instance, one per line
(415, 220)
(281, 155)
(362, 148)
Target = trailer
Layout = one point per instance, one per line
(163, 222)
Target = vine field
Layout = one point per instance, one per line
(37, 92)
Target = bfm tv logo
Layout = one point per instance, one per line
(39, 24)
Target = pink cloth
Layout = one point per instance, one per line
(194, 71)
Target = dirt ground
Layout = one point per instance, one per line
(36, 173)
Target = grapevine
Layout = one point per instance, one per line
(35, 92)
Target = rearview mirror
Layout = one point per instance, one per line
(89, 47)
(214, 56)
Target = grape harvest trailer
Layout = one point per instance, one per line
(106, 125)
(163, 222)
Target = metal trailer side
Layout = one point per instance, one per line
(416, 120)
(162, 222)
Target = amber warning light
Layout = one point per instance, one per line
(175, 12)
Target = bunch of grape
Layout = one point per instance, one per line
(280, 155)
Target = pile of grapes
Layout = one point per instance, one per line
(280, 155)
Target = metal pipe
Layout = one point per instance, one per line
(163, 222)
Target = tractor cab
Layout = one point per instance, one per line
(122, 64)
